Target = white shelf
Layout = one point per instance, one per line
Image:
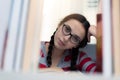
(53, 76)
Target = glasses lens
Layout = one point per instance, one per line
(66, 29)
(75, 39)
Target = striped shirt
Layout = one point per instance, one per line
(84, 63)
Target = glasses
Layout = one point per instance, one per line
(73, 37)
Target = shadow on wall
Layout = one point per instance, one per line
(90, 49)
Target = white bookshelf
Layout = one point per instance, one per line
(53, 76)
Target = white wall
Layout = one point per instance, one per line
(55, 10)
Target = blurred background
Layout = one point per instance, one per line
(24, 23)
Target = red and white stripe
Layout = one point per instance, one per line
(85, 63)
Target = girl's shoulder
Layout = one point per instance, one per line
(43, 43)
(82, 53)
(44, 46)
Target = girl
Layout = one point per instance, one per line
(62, 52)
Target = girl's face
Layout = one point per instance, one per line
(69, 34)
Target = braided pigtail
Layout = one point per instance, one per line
(74, 55)
(49, 59)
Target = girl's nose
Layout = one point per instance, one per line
(66, 38)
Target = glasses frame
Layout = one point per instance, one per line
(72, 36)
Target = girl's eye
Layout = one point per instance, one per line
(75, 39)
(67, 29)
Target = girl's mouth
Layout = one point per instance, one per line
(61, 43)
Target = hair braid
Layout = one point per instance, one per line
(49, 62)
(74, 56)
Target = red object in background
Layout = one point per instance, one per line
(99, 43)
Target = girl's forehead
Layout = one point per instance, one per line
(74, 24)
